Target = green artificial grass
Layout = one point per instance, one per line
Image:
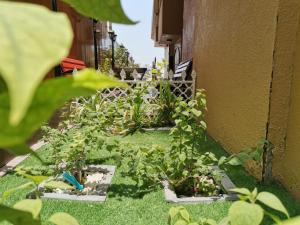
(125, 206)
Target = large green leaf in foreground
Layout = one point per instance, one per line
(63, 219)
(49, 96)
(293, 221)
(105, 10)
(244, 213)
(17, 217)
(33, 40)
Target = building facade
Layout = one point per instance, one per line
(247, 56)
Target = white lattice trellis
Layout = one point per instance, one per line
(181, 88)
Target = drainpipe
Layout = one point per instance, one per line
(57, 69)
(54, 5)
(95, 44)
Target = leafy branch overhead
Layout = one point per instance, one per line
(33, 43)
(45, 102)
(105, 10)
(249, 210)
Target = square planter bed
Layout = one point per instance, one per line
(157, 129)
(98, 195)
(226, 186)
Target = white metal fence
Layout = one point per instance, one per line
(180, 87)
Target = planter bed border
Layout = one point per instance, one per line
(85, 198)
(226, 184)
(157, 129)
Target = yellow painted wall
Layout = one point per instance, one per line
(233, 58)
(279, 119)
(289, 165)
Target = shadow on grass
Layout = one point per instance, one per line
(128, 191)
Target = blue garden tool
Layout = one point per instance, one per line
(72, 180)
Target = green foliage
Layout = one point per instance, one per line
(53, 184)
(145, 165)
(157, 70)
(293, 221)
(105, 60)
(28, 211)
(122, 59)
(33, 43)
(246, 211)
(271, 201)
(36, 170)
(166, 103)
(29, 205)
(249, 211)
(188, 168)
(16, 216)
(45, 102)
(62, 219)
(36, 179)
(136, 113)
(101, 10)
(121, 115)
(180, 216)
(71, 147)
(9, 192)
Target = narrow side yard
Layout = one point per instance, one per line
(125, 205)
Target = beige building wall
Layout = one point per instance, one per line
(287, 168)
(233, 57)
(247, 57)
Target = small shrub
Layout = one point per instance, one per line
(249, 210)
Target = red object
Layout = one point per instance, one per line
(68, 65)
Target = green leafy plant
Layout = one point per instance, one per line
(166, 102)
(44, 104)
(26, 103)
(145, 165)
(101, 10)
(180, 216)
(19, 67)
(28, 211)
(185, 165)
(136, 113)
(71, 147)
(121, 115)
(249, 210)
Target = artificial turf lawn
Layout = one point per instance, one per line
(125, 206)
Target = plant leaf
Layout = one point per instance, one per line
(7, 193)
(63, 219)
(17, 217)
(33, 44)
(101, 10)
(235, 161)
(173, 212)
(181, 222)
(292, 221)
(58, 184)
(272, 201)
(244, 213)
(35, 179)
(196, 112)
(46, 101)
(30, 205)
(222, 160)
(185, 215)
(243, 191)
(224, 221)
